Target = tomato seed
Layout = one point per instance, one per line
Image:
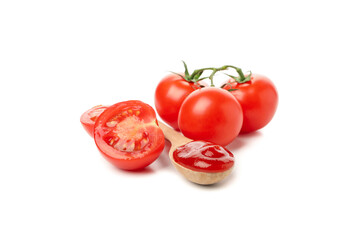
(111, 124)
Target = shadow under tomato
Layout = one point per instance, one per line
(251, 135)
(243, 139)
(163, 160)
(142, 171)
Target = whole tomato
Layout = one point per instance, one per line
(258, 98)
(169, 95)
(128, 136)
(172, 91)
(211, 114)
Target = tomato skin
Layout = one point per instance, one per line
(89, 118)
(169, 95)
(211, 114)
(258, 98)
(141, 120)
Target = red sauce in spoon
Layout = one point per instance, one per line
(204, 156)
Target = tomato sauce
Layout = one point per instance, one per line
(204, 156)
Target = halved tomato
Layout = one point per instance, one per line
(128, 136)
(89, 118)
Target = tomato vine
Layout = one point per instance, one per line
(196, 74)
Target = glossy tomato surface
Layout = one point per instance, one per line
(211, 114)
(89, 118)
(127, 134)
(258, 99)
(169, 95)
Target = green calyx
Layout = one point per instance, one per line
(195, 76)
(241, 78)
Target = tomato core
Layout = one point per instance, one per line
(204, 157)
(127, 132)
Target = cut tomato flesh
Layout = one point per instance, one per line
(127, 135)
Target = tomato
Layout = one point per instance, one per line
(89, 117)
(169, 95)
(258, 99)
(128, 136)
(211, 114)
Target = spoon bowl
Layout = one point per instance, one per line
(177, 140)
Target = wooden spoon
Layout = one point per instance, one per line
(177, 140)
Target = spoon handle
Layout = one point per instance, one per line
(175, 137)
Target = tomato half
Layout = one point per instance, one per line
(169, 95)
(127, 134)
(89, 118)
(211, 114)
(258, 99)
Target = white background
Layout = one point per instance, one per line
(298, 178)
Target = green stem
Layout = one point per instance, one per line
(195, 76)
(197, 71)
(214, 71)
(212, 76)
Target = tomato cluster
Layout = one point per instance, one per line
(128, 135)
(243, 104)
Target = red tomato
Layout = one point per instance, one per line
(128, 136)
(211, 114)
(258, 99)
(169, 95)
(89, 117)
